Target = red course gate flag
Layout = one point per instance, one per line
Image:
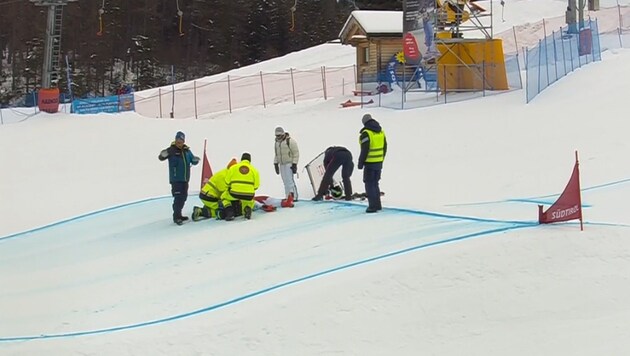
(206, 171)
(569, 204)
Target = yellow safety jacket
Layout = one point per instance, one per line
(242, 179)
(215, 186)
(377, 144)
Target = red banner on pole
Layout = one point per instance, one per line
(410, 47)
(48, 100)
(569, 204)
(206, 170)
(586, 42)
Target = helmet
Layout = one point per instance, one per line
(336, 191)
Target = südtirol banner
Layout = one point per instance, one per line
(418, 19)
(569, 204)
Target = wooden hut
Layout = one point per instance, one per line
(377, 36)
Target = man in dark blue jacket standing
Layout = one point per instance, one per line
(179, 160)
(373, 149)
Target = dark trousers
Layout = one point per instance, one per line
(371, 177)
(341, 159)
(180, 194)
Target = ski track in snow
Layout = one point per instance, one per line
(201, 270)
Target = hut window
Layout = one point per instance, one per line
(364, 55)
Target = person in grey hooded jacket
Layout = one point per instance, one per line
(285, 161)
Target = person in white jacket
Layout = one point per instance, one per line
(286, 160)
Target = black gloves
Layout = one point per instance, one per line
(293, 168)
(195, 160)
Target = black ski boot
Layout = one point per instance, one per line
(196, 215)
(201, 213)
(248, 213)
(178, 218)
(229, 213)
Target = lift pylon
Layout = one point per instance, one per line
(52, 42)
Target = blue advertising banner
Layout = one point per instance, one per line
(126, 102)
(106, 104)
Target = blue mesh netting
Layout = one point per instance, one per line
(559, 54)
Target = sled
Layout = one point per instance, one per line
(351, 103)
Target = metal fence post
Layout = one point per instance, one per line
(527, 84)
(555, 54)
(362, 80)
(403, 86)
(516, 47)
(173, 91)
(354, 67)
(323, 68)
(361, 91)
(262, 87)
(195, 97)
(564, 54)
(160, 100)
(518, 70)
(546, 53)
(293, 85)
(229, 94)
(445, 86)
(539, 64)
(578, 51)
(483, 79)
(571, 53)
(590, 25)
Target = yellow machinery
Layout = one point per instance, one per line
(451, 12)
(467, 63)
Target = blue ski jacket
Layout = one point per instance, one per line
(179, 161)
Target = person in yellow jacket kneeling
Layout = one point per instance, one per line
(210, 195)
(242, 181)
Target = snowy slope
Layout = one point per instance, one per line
(452, 266)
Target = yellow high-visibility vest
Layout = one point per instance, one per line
(377, 147)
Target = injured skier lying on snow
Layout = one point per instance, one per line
(261, 202)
